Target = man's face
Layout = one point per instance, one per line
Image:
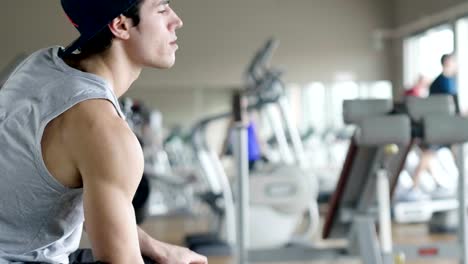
(153, 42)
(450, 65)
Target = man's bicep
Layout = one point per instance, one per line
(110, 176)
(110, 222)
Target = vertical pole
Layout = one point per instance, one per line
(462, 233)
(241, 157)
(385, 225)
(297, 145)
(278, 129)
(366, 238)
(383, 198)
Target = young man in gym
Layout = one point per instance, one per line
(67, 157)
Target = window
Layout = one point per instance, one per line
(462, 54)
(314, 106)
(422, 53)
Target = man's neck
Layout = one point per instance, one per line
(116, 69)
(448, 73)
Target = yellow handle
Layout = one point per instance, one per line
(400, 258)
(391, 149)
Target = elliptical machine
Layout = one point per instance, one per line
(280, 193)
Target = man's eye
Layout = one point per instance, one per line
(166, 7)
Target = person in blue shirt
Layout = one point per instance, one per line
(254, 143)
(445, 83)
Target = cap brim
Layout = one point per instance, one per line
(79, 42)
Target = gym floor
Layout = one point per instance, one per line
(173, 229)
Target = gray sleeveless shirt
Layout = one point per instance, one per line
(40, 219)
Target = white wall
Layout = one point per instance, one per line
(184, 106)
(407, 11)
(319, 39)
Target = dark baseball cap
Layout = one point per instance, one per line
(90, 17)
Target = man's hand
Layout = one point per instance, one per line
(164, 253)
(178, 255)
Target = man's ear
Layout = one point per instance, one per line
(120, 27)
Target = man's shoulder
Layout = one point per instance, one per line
(436, 83)
(439, 78)
(94, 132)
(94, 115)
(98, 140)
(88, 123)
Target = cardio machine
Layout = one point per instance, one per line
(423, 210)
(365, 186)
(280, 193)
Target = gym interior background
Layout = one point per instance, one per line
(321, 41)
(330, 50)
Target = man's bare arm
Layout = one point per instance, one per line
(110, 162)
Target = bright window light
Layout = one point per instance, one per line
(422, 53)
